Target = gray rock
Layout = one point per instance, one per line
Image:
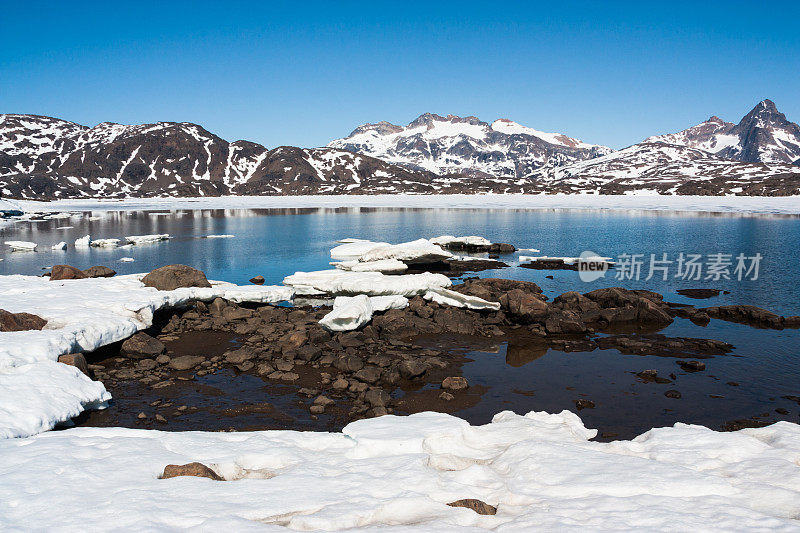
(171, 277)
(142, 346)
(185, 362)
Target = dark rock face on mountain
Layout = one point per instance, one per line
(764, 135)
(46, 158)
(466, 145)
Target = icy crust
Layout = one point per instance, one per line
(22, 246)
(82, 315)
(419, 251)
(456, 299)
(387, 266)
(347, 283)
(352, 312)
(398, 474)
(34, 397)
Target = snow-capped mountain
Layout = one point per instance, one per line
(42, 157)
(467, 145)
(663, 168)
(762, 136)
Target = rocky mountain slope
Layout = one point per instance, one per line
(762, 136)
(467, 145)
(45, 158)
(42, 157)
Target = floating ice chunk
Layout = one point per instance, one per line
(60, 246)
(388, 266)
(341, 282)
(529, 250)
(354, 248)
(419, 251)
(220, 236)
(471, 240)
(65, 227)
(22, 246)
(351, 240)
(126, 259)
(566, 260)
(352, 312)
(83, 242)
(456, 299)
(146, 239)
(105, 243)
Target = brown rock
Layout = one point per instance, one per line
(99, 272)
(411, 369)
(20, 321)
(455, 383)
(171, 277)
(258, 280)
(377, 397)
(142, 346)
(191, 469)
(237, 357)
(478, 506)
(60, 272)
(75, 359)
(185, 362)
(584, 404)
(526, 307)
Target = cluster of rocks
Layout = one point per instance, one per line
(472, 248)
(60, 272)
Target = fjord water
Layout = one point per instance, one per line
(274, 243)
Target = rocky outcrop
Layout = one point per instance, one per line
(190, 469)
(20, 321)
(99, 272)
(59, 272)
(171, 277)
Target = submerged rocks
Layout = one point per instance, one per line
(655, 344)
(20, 321)
(455, 383)
(191, 469)
(171, 277)
(698, 293)
(142, 346)
(751, 316)
(62, 272)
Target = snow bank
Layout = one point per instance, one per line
(22, 246)
(345, 283)
(352, 249)
(397, 474)
(82, 315)
(456, 299)
(387, 266)
(352, 312)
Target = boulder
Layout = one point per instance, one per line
(455, 383)
(478, 506)
(410, 369)
(746, 314)
(171, 277)
(60, 272)
(99, 272)
(185, 362)
(525, 307)
(20, 321)
(142, 346)
(191, 469)
(377, 398)
(491, 289)
(75, 359)
(237, 357)
(258, 280)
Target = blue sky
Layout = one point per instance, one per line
(305, 73)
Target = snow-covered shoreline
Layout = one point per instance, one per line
(398, 474)
(785, 205)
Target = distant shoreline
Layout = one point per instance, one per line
(735, 205)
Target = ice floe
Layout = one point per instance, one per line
(456, 299)
(352, 249)
(398, 473)
(105, 243)
(471, 240)
(346, 283)
(146, 239)
(419, 251)
(60, 246)
(126, 259)
(225, 236)
(22, 246)
(83, 242)
(387, 266)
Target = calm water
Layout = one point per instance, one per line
(275, 243)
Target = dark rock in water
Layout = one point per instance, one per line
(795, 399)
(564, 322)
(549, 264)
(75, 359)
(747, 314)
(191, 469)
(655, 344)
(744, 423)
(59, 272)
(258, 280)
(142, 346)
(698, 293)
(185, 362)
(525, 306)
(99, 272)
(237, 357)
(455, 383)
(692, 366)
(478, 506)
(171, 277)
(782, 411)
(410, 369)
(672, 394)
(549, 277)
(20, 321)
(584, 404)
(491, 289)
